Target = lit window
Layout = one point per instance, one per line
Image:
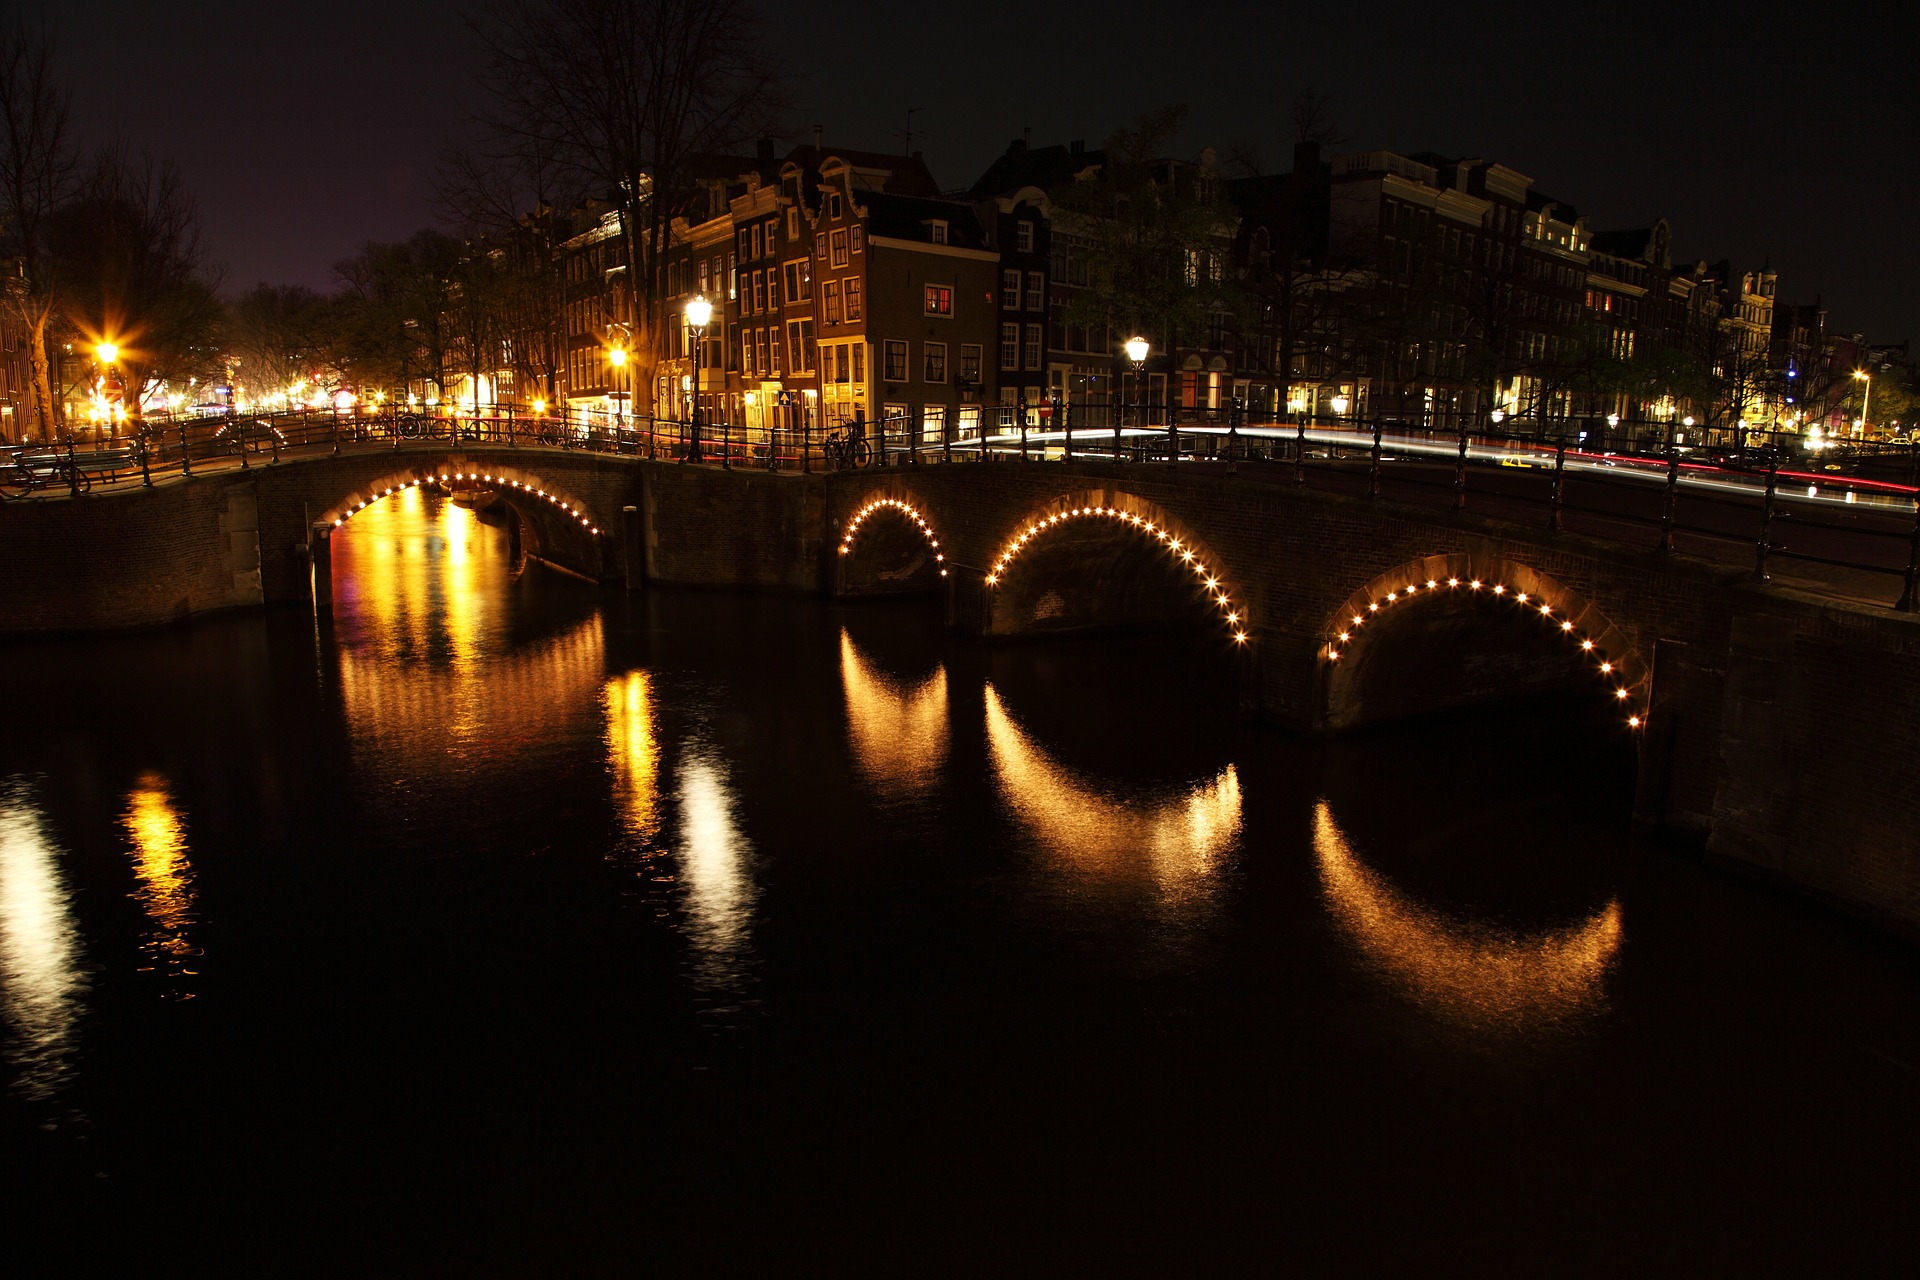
(939, 300)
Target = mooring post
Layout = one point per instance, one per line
(320, 560)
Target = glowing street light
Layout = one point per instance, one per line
(699, 312)
(1135, 349)
(617, 357)
(1866, 394)
(109, 353)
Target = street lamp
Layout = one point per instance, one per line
(699, 312)
(1136, 348)
(617, 357)
(1866, 395)
(106, 353)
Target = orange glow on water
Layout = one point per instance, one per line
(1180, 840)
(898, 731)
(1479, 975)
(633, 751)
(159, 837)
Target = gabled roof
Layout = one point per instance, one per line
(1024, 166)
(906, 175)
(906, 218)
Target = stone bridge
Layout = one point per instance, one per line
(1780, 728)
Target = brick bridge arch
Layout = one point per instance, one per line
(552, 523)
(1021, 598)
(1449, 597)
(509, 480)
(888, 542)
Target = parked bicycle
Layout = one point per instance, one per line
(25, 471)
(844, 452)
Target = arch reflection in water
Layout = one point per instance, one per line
(435, 688)
(166, 877)
(1477, 975)
(899, 733)
(41, 982)
(1180, 840)
(715, 868)
(633, 753)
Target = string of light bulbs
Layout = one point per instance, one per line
(519, 486)
(1531, 602)
(1234, 615)
(879, 505)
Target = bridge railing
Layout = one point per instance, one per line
(1851, 506)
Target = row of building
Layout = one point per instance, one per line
(846, 285)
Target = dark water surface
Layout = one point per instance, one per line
(507, 926)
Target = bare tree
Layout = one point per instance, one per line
(506, 206)
(39, 172)
(276, 333)
(624, 97)
(128, 245)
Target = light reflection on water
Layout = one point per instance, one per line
(153, 822)
(434, 684)
(41, 980)
(1179, 841)
(898, 732)
(715, 870)
(633, 752)
(1475, 974)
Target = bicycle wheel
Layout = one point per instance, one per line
(409, 426)
(860, 452)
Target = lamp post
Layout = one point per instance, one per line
(107, 353)
(1136, 348)
(699, 312)
(617, 357)
(1866, 395)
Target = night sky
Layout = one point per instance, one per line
(1781, 129)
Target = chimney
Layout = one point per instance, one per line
(819, 132)
(1078, 147)
(1026, 138)
(1016, 147)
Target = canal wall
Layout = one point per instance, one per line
(130, 558)
(1819, 779)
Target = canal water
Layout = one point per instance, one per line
(502, 925)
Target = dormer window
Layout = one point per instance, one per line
(937, 231)
(1023, 237)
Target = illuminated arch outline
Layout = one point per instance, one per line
(380, 489)
(1182, 549)
(907, 509)
(1548, 601)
